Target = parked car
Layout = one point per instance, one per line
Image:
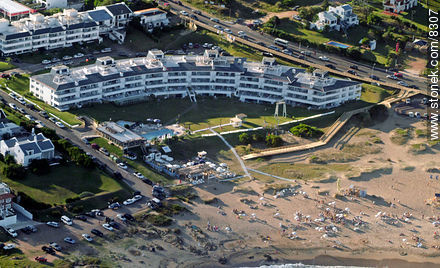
(184, 13)
(137, 197)
(351, 72)
(129, 217)
(106, 50)
(128, 202)
(97, 212)
(147, 181)
(97, 232)
(11, 232)
(104, 151)
(393, 77)
(21, 100)
(198, 12)
(114, 225)
(114, 205)
(138, 175)
(87, 237)
(67, 57)
(40, 259)
(59, 124)
(81, 217)
(122, 165)
(66, 220)
(296, 17)
(107, 227)
(354, 67)
(53, 224)
(78, 55)
(54, 60)
(55, 246)
(48, 250)
(43, 114)
(215, 20)
(227, 30)
(121, 217)
(46, 62)
(13, 106)
(324, 58)
(69, 240)
(8, 246)
(414, 86)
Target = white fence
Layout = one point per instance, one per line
(23, 211)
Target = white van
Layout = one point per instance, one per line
(66, 220)
(411, 114)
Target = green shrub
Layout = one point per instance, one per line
(39, 167)
(14, 171)
(244, 138)
(159, 220)
(306, 131)
(273, 140)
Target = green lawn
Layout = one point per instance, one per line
(4, 66)
(64, 182)
(374, 94)
(355, 34)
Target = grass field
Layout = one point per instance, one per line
(374, 94)
(355, 35)
(64, 182)
(4, 66)
(304, 171)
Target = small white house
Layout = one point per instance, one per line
(152, 18)
(24, 150)
(337, 18)
(397, 6)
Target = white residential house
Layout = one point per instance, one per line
(9, 209)
(121, 15)
(397, 6)
(76, 4)
(337, 18)
(24, 150)
(210, 74)
(7, 127)
(152, 18)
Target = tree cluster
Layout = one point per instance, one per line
(306, 131)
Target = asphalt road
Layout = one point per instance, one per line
(341, 63)
(75, 137)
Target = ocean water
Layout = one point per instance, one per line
(300, 265)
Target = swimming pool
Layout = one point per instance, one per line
(336, 44)
(157, 134)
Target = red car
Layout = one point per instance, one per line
(40, 259)
(397, 74)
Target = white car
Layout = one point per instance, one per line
(39, 123)
(46, 62)
(13, 106)
(53, 224)
(218, 27)
(106, 50)
(402, 83)
(11, 232)
(9, 246)
(122, 165)
(215, 20)
(107, 227)
(296, 17)
(128, 202)
(21, 100)
(121, 217)
(241, 34)
(30, 117)
(87, 237)
(227, 30)
(78, 55)
(324, 58)
(139, 175)
(67, 57)
(184, 13)
(59, 124)
(69, 240)
(137, 197)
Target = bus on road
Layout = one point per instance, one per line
(281, 42)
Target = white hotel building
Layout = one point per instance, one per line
(136, 79)
(63, 29)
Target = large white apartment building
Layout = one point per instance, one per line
(210, 74)
(63, 29)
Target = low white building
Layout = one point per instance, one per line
(137, 79)
(7, 213)
(24, 150)
(337, 18)
(397, 6)
(152, 18)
